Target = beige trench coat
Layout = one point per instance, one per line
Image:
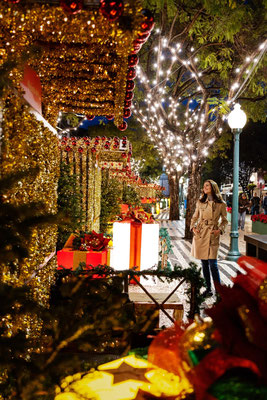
(206, 219)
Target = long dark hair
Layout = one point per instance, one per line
(215, 192)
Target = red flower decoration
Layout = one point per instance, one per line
(124, 155)
(110, 117)
(80, 150)
(87, 142)
(130, 85)
(129, 96)
(127, 104)
(90, 117)
(131, 73)
(93, 149)
(259, 217)
(127, 113)
(143, 36)
(136, 48)
(68, 148)
(111, 9)
(132, 60)
(71, 6)
(123, 126)
(148, 21)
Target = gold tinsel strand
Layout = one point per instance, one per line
(28, 144)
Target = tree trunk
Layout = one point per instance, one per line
(192, 196)
(174, 197)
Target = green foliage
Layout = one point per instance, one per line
(164, 235)
(111, 193)
(156, 7)
(191, 276)
(218, 106)
(69, 204)
(102, 321)
(222, 33)
(238, 384)
(70, 120)
(130, 196)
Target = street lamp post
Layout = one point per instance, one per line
(236, 120)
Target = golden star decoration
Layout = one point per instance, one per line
(123, 379)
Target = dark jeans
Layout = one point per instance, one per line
(255, 210)
(210, 266)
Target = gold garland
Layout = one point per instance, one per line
(86, 46)
(28, 144)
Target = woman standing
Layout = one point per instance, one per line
(207, 228)
(243, 205)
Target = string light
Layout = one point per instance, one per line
(164, 110)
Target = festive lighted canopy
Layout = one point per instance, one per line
(87, 157)
(86, 59)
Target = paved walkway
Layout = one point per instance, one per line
(181, 256)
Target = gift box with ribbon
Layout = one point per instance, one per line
(135, 241)
(89, 248)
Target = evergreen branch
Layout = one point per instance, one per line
(67, 341)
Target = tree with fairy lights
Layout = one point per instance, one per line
(203, 57)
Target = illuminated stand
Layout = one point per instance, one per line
(126, 252)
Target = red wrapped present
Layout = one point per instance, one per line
(70, 257)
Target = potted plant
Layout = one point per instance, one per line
(259, 224)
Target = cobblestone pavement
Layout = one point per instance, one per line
(181, 256)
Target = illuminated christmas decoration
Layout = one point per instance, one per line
(181, 112)
(36, 149)
(87, 157)
(82, 58)
(126, 378)
(71, 6)
(111, 9)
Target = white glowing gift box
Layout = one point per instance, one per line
(135, 244)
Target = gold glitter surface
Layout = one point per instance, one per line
(83, 58)
(28, 144)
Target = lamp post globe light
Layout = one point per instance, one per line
(236, 120)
